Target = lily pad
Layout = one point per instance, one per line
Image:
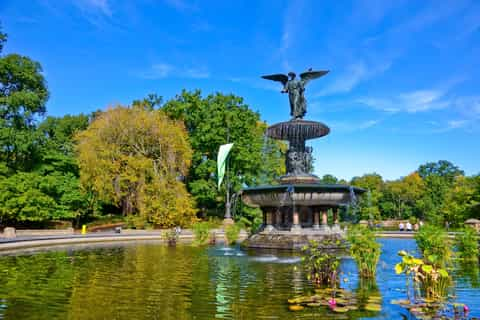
(373, 307)
(314, 304)
(296, 307)
(340, 309)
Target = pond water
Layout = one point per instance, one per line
(148, 280)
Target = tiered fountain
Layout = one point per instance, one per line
(296, 210)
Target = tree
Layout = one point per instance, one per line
(370, 203)
(215, 120)
(135, 158)
(329, 179)
(439, 178)
(23, 95)
(462, 200)
(402, 196)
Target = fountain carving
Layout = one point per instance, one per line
(291, 224)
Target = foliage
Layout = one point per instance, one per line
(23, 95)
(462, 200)
(321, 265)
(232, 232)
(134, 158)
(434, 244)
(364, 250)
(423, 277)
(201, 230)
(369, 205)
(215, 120)
(466, 242)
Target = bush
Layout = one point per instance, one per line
(201, 230)
(434, 244)
(321, 266)
(466, 243)
(232, 232)
(364, 250)
(423, 276)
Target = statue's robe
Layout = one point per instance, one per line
(296, 89)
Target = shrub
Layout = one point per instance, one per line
(321, 266)
(364, 250)
(201, 230)
(434, 244)
(232, 232)
(467, 244)
(423, 276)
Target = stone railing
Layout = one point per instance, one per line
(10, 232)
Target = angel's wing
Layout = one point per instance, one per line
(283, 78)
(310, 75)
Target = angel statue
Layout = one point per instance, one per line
(295, 89)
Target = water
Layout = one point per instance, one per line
(148, 280)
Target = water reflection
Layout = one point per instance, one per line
(147, 280)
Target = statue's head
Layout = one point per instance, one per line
(292, 75)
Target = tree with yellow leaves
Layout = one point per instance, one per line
(135, 158)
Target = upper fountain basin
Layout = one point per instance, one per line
(298, 129)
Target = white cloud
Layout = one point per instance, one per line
(411, 102)
(101, 6)
(181, 5)
(165, 70)
(354, 74)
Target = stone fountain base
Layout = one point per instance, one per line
(296, 239)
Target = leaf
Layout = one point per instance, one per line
(398, 268)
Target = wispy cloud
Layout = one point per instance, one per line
(181, 5)
(164, 70)
(349, 126)
(411, 102)
(353, 75)
(94, 6)
(291, 24)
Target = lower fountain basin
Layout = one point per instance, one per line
(300, 194)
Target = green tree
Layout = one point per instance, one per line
(215, 120)
(329, 179)
(135, 158)
(23, 95)
(401, 197)
(462, 200)
(370, 203)
(439, 178)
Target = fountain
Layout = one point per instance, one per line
(296, 210)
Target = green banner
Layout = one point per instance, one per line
(222, 161)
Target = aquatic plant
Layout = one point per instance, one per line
(170, 236)
(321, 265)
(232, 232)
(201, 230)
(364, 250)
(434, 244)
(423, 277)
(466, 242)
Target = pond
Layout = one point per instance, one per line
(148, 280)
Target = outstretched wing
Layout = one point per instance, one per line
(310, 75)
(283, 78)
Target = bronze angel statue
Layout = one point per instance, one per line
(295, 89)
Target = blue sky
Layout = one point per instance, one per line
(402, 90)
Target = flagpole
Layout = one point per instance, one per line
(227, 219)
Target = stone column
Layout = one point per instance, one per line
(316, 218)
(296, 220)
(269, 218)
(336, 224)
(324, 219)
(9, 232)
